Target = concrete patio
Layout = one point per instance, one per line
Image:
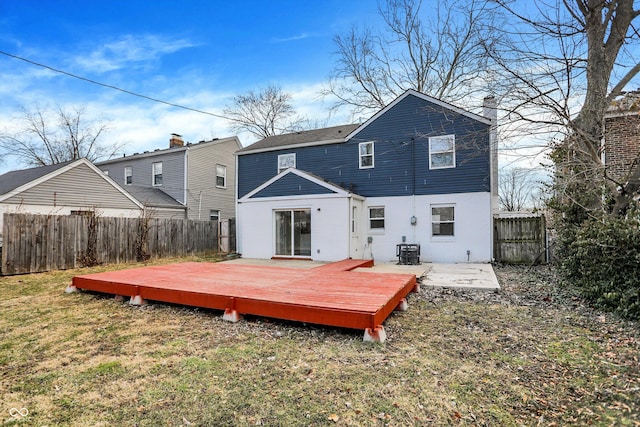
(461, 276)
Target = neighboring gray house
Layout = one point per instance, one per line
(64, 189)
(199, 177)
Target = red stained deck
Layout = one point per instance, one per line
(331, 294)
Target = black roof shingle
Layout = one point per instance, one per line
(14, 179)
(302, 137)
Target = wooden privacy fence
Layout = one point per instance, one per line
(520, 240)
(36, 243)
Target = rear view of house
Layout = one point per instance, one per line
(418, 172)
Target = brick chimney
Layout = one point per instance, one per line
(176, 141)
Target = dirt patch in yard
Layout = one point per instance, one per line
(529, 354)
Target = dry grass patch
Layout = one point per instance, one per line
(518, 357)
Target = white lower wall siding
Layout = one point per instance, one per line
(64, 210)
(329, 226)
(332, 238)
(473, 227)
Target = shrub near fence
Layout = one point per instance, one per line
(36, 243)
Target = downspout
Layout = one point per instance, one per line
(237, 204)
(185, 196)
(413, 186)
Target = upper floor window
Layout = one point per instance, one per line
(286, 161)
(128, 175)
(442, 152)
(442, 220)
(365, 151)
(221, 176)
(376, 218)
(156, 172)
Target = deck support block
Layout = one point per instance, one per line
(402, 305)
(416, 288)
(118, 298)
(71, 289)
(231, 316)
(376, 334)
(137, 300)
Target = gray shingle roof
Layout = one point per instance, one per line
(153, 197)
(14, 179)
(302, 137)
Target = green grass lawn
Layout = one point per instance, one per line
(527, 355)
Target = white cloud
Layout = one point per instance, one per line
(129, 50)
(297, 37)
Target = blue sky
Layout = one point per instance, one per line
(194, 53)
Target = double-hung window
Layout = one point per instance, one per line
(442, 220)
(366, 155)
(286, 161)
(442, 152)
(221, 176)
(128, 175)
(376, 218)
(156, 172)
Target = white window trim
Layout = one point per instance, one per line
(285, 156)
(153, 174)
(453, 151)
(224, 176)
(373, 155)
(126, 175)
(214, 210)
(384, 218)
(273, 231)
(443, 205)
(354, 221)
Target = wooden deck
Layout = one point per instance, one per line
(331, 294)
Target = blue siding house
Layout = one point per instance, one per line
(420, 171)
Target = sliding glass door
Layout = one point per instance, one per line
(293, 232)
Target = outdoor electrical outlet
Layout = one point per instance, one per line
(369, 239)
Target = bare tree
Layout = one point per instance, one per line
(50, 136)
(565, 61)
(519, 189)
(443, 56)
(264, 113)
